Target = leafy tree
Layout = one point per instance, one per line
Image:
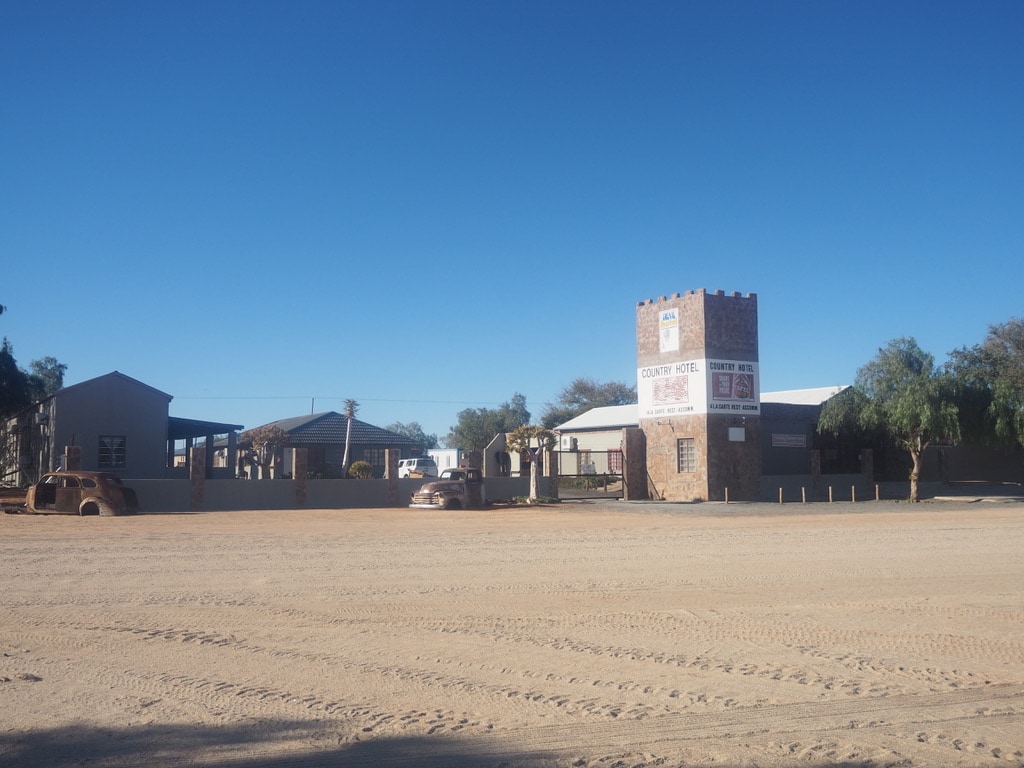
(901, 393)
(351, 409)
(19, 388)
(582, 395)
(535, 440)
(14, 388)
(265, 442)
(478, 426)
(990, 376)
(45, 377)
(414, 431)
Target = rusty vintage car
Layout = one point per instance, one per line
(79, 492)
(461, 488)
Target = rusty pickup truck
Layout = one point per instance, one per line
(461, 488)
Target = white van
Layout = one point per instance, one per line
(421, 466)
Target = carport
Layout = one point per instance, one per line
(193, 430)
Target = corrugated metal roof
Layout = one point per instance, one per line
(603, 418)
(813, 396)
(613, 416)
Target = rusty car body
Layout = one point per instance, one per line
(80, 492)
(456, 488)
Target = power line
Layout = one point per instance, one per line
(326, 397)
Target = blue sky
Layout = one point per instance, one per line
(263, 208)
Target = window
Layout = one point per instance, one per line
(687, 454)
(375, 458)
(615, 462)
(112, 451)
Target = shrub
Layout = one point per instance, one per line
(361, 470)
(323, 472)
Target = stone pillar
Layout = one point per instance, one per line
(233, 453)
(210, 450)
(197, 475)
(551, 472)
(300, 471)
(391, 475)
(634, 465)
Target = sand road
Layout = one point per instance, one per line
(876, 634)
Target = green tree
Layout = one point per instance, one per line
(14, 386)
(582, 395)
(20, 388)
(990, 376)
(414, 431)
(265, 442)
(903, 394)
(476, 427)
(350, 411)
(535, 440)
(45, 377)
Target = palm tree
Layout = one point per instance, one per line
(351, 409)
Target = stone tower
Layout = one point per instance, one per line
(699, 396)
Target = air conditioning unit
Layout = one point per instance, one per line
(568, 443)
(40, 418)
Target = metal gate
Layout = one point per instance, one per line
(589, 474)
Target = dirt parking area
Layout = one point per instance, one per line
(584, 635)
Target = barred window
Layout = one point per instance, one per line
(687, 454)
(112, 452)
(615, 462)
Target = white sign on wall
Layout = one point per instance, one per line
(698, 386)
(668, 330)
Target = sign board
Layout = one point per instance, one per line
(698, 386)
(668, 330)
(788, 441)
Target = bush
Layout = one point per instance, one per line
(324, 472)
(361, 470)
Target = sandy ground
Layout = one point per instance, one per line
(876, 634)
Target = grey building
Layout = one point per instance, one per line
(112, 422)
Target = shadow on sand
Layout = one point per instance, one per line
(266, 746)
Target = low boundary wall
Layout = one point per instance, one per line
(224, 495)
